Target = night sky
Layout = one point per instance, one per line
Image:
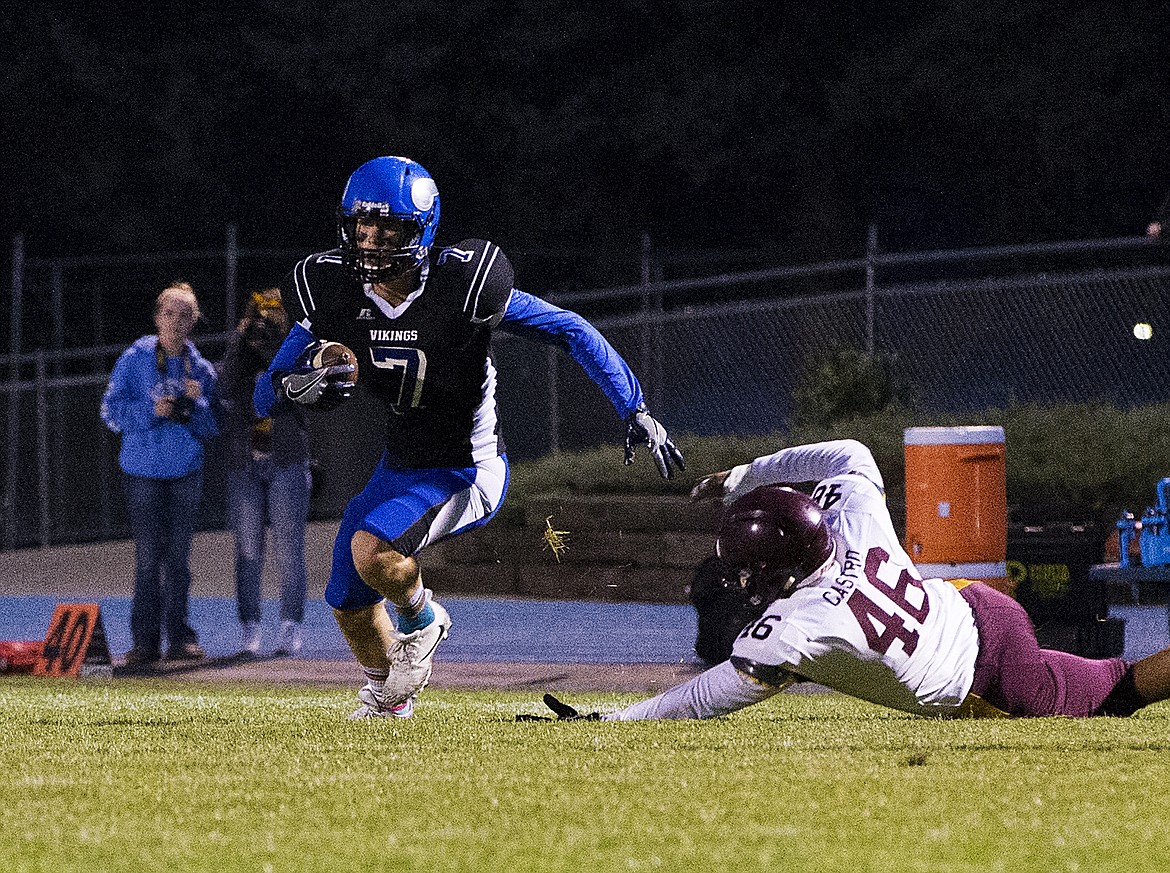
(575, 128)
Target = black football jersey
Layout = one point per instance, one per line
(429, 362)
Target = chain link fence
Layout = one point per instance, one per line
(716, 355)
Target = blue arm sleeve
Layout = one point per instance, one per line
(535, 319)
(205, 420)
(290, 351)
(122, 410)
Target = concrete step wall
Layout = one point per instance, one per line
(617, 548)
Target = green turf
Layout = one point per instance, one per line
(142, 776)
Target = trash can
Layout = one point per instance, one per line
(956, 501)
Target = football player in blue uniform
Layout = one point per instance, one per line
(420, 327)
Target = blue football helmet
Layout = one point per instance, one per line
(388, 218)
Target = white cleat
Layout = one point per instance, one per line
(291, 640)
(413, 655)
(375, 706)
(250, 639)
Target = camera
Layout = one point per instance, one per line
(263, 335)
(183, 407)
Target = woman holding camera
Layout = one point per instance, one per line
(161, 399)
(268, 476)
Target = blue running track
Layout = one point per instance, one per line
(488, 629)
(483, 630)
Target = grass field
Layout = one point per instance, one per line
(150, 776)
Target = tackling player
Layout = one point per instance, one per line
(421, 329)
(854, 614)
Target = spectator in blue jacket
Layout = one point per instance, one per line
(162, 400)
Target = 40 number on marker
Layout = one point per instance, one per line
(71, 632)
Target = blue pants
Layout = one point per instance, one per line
(163, 515)
(262, 495)
(411, 509)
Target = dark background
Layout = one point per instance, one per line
(735, 134)
(567, 126)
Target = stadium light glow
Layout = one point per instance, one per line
(1143, 331)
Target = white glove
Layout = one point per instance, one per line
(318, 386)
(641, 427)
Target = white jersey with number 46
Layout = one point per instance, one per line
(869, 626)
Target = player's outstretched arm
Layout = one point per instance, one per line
(539, 320)
(718, 691)
(813, 462)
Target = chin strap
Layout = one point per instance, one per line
(828, 568)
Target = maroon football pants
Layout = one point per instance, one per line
(1014, 674)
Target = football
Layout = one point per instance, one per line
(327, 353)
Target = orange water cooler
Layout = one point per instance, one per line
(956, 502)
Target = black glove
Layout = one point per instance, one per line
(319, 387)
(641, 427)
(333, 395)
(563, 712)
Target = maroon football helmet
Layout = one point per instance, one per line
(775, 534)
